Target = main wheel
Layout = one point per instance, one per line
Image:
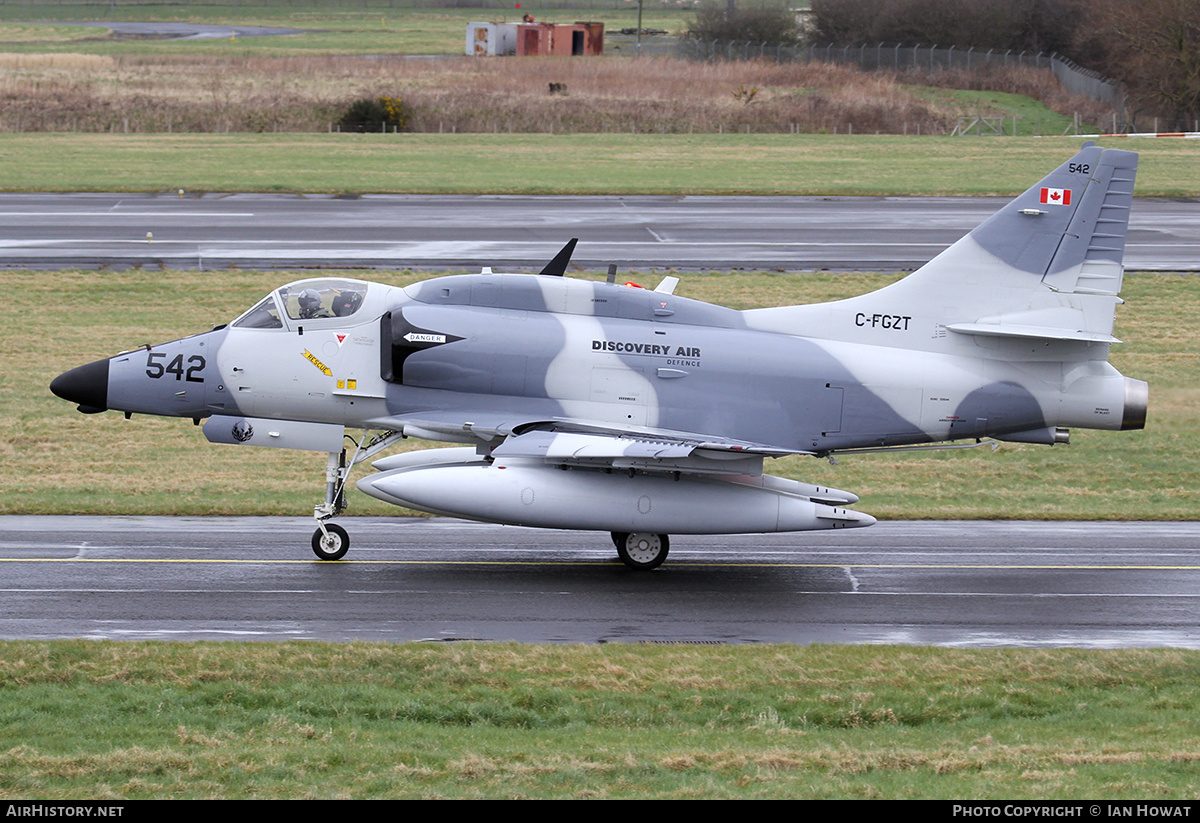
(331, 544)
(642, 550)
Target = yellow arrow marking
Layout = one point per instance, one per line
(312, 358)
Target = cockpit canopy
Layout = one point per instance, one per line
(305, 300)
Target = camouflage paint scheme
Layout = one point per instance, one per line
(593, 405)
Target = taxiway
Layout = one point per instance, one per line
(1034, 584)
(399, 231)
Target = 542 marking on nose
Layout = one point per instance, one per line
(155, 367)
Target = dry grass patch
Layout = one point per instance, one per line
(203, 93)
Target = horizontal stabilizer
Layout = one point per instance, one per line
(1032, 332)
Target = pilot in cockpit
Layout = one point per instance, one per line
(310, 305)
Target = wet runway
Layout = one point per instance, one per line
(182, 31)
(398, 231)
(1034, 584)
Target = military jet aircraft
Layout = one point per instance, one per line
(594, 405)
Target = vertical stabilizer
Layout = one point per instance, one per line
(1070, 227)
(1047, 265)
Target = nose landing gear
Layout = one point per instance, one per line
(330, 542)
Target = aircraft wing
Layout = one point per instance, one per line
(587, 443)
(659, 452)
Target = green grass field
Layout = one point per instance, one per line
(123, 721)
(331, 28)
(566, 164)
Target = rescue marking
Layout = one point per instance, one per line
(312, 358)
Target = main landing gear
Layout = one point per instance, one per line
(641, 551)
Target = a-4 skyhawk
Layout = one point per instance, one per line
(592, 405)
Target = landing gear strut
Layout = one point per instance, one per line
(330, 541)
(642, 551)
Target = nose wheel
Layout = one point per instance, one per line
(330, 542)
(642, 551)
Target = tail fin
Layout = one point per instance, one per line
(1048, 265)
(1079, 215)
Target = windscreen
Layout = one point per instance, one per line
(263, 316)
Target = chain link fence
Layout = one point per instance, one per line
(899, 57)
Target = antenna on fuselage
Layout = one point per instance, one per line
(558, 266)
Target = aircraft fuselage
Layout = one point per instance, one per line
(648, 361)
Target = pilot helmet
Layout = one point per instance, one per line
(310, 302)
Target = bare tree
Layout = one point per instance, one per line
(772, 23)
(1153, 46)
(1023, 25)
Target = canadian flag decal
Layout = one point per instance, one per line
(1056, 197)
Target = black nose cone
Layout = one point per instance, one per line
(86, 385)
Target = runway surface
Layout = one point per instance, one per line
(182, 31)
(1095, 585)
(397, 231)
